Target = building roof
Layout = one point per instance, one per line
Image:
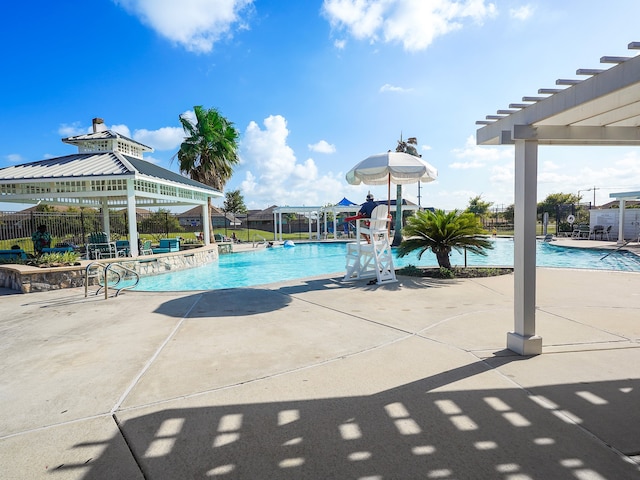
(103, 135)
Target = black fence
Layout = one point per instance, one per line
(74, 228)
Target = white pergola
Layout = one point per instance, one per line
(602, 109)
(321, 212)
(108, 172)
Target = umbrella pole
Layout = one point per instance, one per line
(389, 203)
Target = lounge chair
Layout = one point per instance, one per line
(13, 254)
(99, 246)
(167, 245)
(122, 248)
(68, 248)
(581, 231)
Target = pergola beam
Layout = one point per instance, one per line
(549, 135)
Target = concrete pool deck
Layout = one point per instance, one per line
(322, 379)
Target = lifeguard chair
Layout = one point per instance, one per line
(370, 255)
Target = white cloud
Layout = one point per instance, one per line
(72, 129)
(121, 129)
(165, 138)
(15, 158)
(466, 165)
(322, 147)
(387, 87)
(521, 13)
(414, 23)
(274, 176)
(479, 155)
(340, 44)
(194, 24)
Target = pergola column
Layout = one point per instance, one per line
(523, 340)
(621, 222)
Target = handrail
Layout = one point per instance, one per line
(127, 271)
(255, 244)
(103, 277)
(89, 267)
(614, 251)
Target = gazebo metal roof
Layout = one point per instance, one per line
(85, 179)
(603, 109)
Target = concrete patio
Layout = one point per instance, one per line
(320, 379)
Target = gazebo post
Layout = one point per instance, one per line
(132, 219)
(206, 223)
(106, 225)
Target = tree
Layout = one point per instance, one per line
(478, 207)
(210, 149)
(159, 224)
(410, 147)
(441, 232)
(509, 213)
(550, 203)
(234, 203)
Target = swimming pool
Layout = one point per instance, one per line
(269, 265)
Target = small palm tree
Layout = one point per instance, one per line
(441, 232)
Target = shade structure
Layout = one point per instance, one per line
(391, 167)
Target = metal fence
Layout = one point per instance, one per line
(74, 228)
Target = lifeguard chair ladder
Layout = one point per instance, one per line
(373, 258)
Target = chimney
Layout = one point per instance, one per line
(98, 125)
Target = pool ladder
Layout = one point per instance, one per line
(110, 275)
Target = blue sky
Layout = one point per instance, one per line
(313, 86)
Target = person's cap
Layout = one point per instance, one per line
(369, 196)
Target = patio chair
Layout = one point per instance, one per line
(145, 248)
(597, 229)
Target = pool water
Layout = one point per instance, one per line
(269, 265)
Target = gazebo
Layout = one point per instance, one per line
(602, 109)
(108, 172)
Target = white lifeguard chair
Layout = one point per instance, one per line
(371, 256)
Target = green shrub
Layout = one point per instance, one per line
(67, 258)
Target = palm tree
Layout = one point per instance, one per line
(441, 232)
(210, 149)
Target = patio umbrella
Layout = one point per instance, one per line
(392, 167)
